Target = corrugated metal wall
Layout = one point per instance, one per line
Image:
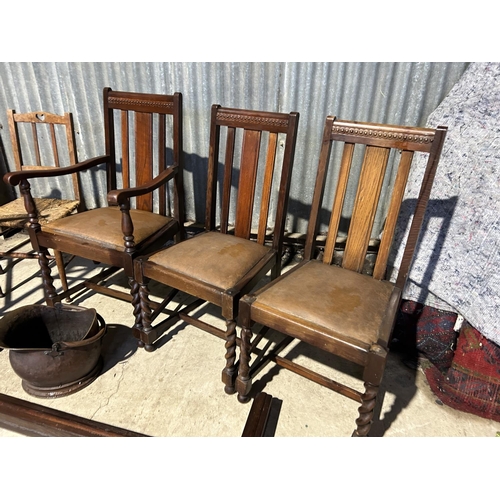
(403, 93)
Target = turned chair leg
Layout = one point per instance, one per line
(365, 419)
(143, 322)
(244, 382)
(229, 372)
(47, 279)
(136, 302)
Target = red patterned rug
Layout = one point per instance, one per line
(472, 383)
(465, 377)
(425, 330)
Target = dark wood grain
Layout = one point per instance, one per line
(31, 419)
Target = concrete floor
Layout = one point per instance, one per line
(176, 390)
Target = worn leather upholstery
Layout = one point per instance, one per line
(103, 226)
(333, 300)
(214, 258)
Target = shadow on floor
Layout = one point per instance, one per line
(399, 381)
(118, 345)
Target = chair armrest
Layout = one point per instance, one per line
(120, 196)
(14, 178)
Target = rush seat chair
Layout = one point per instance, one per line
(249, 168)
(138, 217)
(41, 141)
(340, 309)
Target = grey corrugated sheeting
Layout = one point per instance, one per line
(402, 93)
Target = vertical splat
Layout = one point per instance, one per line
(144, 156)
(338, 202)
(162, 165)
(226, 189)
(392, 214)
(365, 207)
(266, 187)
(246, 187)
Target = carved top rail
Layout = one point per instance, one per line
(274, 122)
(400, 137)
(146, 103)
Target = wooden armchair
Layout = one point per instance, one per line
(135, 221)
(222, 263)
(340, 309)
(41, 141)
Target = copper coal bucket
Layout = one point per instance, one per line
(55, 350)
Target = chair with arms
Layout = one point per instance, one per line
(134, 221)
(341, 309)
(41, 141)
(225, 261)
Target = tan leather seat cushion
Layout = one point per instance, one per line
(104, 226)
(337, 301)
(214, 258)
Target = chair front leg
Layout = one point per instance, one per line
(136, 302)
(33, 229)
(145, 328)
(365, 419)
(373, 373)
(47, 279)
(229, 372)
(244, 382)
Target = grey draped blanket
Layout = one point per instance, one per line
(457, 263)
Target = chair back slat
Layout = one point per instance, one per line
(228, 175)
(55, 151)
(246, 185)
(70, 140)
(365, 207)
(162, 163)
(338, 202)
(392, 214)
(16, 143)
(319, 189)
(380, 145)
(267, 187)
(144, 157)
(125, 149)
(36, 145)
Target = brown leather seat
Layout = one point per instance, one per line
(102, 226)
(329, 301)
(215, 258)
